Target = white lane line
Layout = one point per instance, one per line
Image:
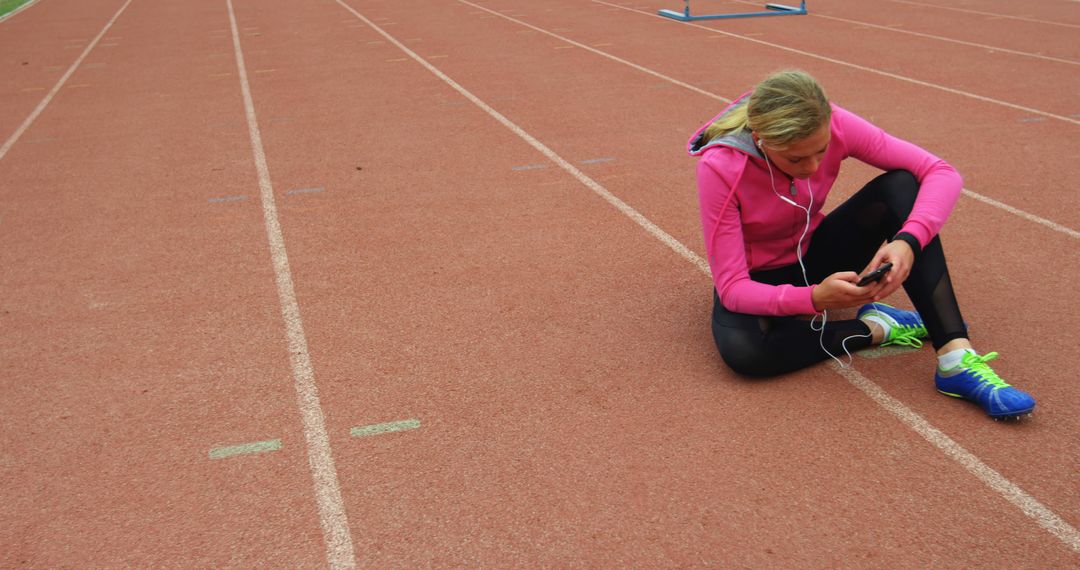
(996, 481)
(335, 526)
(1028, 216)
(1022, 18)
(603, 54)
(623, 207)
(935, 37)
(17, 10)
(56, 88)
(1031, 507)
(853, 65)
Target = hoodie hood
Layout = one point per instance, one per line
(739, 140)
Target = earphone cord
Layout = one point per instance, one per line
(802, 266)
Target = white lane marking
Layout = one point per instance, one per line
(598, 160)
(884, 352)
(226, 199)
(970, 193)
(603, 54)
(389, 427)
(1022, 18)
(304, 191)
(335, 526)
(623, 207)
(17, 10)
(1031, 217)
(996, 481)
(935, 37)
(60, 83)
(1031, 507)
(245, 449)
(855, 66)
(529, 167)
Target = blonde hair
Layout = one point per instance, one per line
(785, 107)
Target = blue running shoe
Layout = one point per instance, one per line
(905, 327)
(974, 380)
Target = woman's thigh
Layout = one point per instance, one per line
(767, 346)
(851, 234)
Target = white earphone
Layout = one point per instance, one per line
(772, 185)
(790, 201)
(798, 255)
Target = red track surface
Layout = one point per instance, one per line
(573, 410)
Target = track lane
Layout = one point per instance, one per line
(995, 33)
(332, 517)
(883, 63)
(463, 385)
(419, 348)
(1023, 354)
(1045, 86)
(1046, 14)
(38, 49)
(945, 125)
(140, 323)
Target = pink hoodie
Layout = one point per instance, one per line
(748, 227)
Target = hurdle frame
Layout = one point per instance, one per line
(770, 10)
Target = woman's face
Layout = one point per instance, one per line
(802, 158)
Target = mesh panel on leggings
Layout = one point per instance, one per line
(931, 291)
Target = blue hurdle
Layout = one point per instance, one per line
(776, 10)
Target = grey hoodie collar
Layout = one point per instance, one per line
(741, 140)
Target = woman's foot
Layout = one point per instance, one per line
(890, 325)
(972, 379)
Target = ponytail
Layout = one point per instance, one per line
(786, 107)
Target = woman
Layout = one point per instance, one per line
(768, 162)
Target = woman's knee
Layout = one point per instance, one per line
(901, 188)
(902, 178)
(745, 353)
(891, 199)
(751, 366)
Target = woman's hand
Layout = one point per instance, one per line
(902, 258)
(839, 291)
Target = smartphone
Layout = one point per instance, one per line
(875, 275)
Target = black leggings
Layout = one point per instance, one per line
(846, 240)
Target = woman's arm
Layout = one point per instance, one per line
(726, 250)
(939, 183)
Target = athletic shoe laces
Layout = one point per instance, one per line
(977, 366)
(907, 335)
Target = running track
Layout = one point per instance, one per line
(477, 216)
